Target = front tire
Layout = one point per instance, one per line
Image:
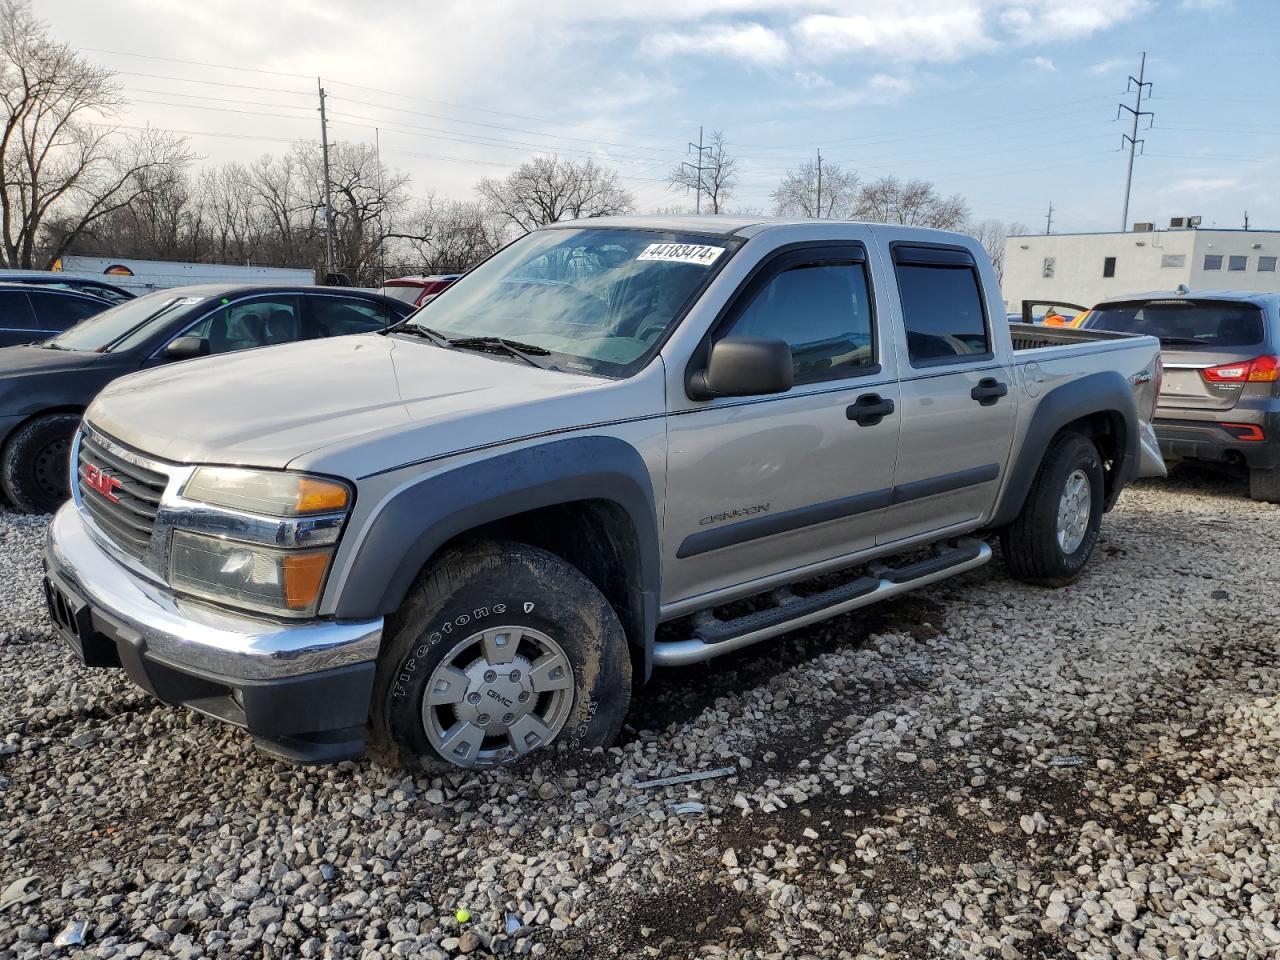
(500, 649)
(1054, 535)
(35, 469)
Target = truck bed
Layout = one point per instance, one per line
(1031, 336)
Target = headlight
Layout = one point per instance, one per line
(274, 493)
(273, 553)
(248, 575)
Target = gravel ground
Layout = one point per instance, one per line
(982, 769)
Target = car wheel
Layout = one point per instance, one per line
(1053, 536)
(1264, 485)
(35, 469)
(499, 650)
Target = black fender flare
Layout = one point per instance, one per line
(421, 518)
(1104, 392)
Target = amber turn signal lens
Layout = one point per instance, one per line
(303, 577)
(320, 496)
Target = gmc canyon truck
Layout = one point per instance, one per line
(617, 444)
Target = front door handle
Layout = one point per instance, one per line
(869, 409)
(988, 391)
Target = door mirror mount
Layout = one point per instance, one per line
(185, 348)
(743, 367)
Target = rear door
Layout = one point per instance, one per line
(958, 404)
(59, 310)
(1215, 351)
(17, 322)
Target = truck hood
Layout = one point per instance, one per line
(348, 406)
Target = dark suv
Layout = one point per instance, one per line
(45, 387)
(30, 313)
(1220, 399)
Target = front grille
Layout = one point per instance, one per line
(126, 512)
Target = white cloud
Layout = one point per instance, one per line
(903, 32)
(1203, 184)
(1107, 66)
(1042, 63)
(811, 80)
(751, 42)
(1040, 20)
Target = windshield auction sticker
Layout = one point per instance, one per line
(702, 254)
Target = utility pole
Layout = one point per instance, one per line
(382, 206)
(328, 197)
(1139, 83)
(697, 168)
(819, 182)
(1048, 221)
(1246, 219)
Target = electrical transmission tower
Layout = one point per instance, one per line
(1138, 83)
(697, 168)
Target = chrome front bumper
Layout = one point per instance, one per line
(191, 637)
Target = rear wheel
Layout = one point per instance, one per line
(1052, 538)
(500, 649)
(35, 468)
(1264, 485)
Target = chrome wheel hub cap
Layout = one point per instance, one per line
(1073, 512)
(496, 695)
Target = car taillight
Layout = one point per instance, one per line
(1257, 370)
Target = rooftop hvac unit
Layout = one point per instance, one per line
(1178, 223)
(1193, 221)
(1143, 227)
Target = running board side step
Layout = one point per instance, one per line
(714, 637)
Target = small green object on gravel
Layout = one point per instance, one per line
(463, 915)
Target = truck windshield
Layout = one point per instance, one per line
(104, 330)
(595, 299)
(1199, 324)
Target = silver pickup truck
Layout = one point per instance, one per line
(617, 444)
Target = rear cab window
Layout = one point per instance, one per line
(942, 306)
(15, 311)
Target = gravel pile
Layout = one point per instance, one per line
(982, 769)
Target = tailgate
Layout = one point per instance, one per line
(1192, 380)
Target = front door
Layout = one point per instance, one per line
(757, 486)
(958, 402)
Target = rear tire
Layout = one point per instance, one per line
(1264, 485)
(500, 649)
(1052, 538)
(35, 469)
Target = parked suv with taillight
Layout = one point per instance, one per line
(1220, 398)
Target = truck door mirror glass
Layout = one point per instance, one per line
(184, 348)
(744, 367)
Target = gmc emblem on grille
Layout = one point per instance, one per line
(103, 482)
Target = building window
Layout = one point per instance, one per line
(1266, 264)
(1173, 260)
(1047, 270)
(1236, 264)
(1213, 261)
(1109, 266)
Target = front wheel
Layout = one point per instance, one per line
(1051, 540)
(35, 469)
(500, 649)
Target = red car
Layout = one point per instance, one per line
(417, 290)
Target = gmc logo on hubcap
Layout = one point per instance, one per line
(101, 481)
(499, 697)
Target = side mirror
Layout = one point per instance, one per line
(184, 348)
(744, 367)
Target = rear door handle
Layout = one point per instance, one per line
(869, 409)
(988, 391)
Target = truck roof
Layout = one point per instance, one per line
(725, 226)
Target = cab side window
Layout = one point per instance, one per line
(822, 310)
(250, 323)
(57, 312)
(941, 306)
(336, 316)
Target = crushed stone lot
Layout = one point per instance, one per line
(981, 769)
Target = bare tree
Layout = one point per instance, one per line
(993, 235)
(61, 164)
(446, 236)
(914, 203)
(797, 194)
(715, 177)
(547, 189)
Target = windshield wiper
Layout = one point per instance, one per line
(528, 352)
(53, 345)
(439, 339)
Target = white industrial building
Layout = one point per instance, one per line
(1085, 268)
